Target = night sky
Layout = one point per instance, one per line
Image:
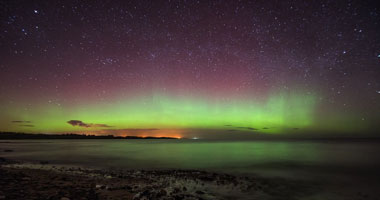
(190, 68)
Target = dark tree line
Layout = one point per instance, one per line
(13, 135)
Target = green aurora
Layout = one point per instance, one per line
(174, 116)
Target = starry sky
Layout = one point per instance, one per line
(217, 69)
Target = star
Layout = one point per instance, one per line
(233, 61)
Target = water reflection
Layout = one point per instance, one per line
(238, 157)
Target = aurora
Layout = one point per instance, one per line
(188, 73)
(175, 116)
(190, 99)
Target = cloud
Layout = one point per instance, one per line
(248, 128)
(23, 123)
(27, 125)
(86, 125)
(20, 121)
(134, 129)
(241, 127)
(78, 123)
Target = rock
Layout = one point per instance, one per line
(161, 193)
(44, 162)
(65, 198)
(208, 178)
(199, 192)
(107, 176)
(127, 187)
(176, 190)
(136, 197)
(145, 193)
(179, 197)
(2, 197)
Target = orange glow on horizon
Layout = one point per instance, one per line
(173, 133)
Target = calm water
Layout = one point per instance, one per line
(262, 157)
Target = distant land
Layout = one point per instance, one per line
(16, 136)
(345, 138)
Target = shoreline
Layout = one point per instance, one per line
(41, 177)
(34, 180)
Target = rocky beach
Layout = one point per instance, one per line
(41, 180)
(34, 175)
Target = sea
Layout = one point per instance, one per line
(295, 159)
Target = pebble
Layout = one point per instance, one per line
(65, 198)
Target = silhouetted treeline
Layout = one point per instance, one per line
(13, 135)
